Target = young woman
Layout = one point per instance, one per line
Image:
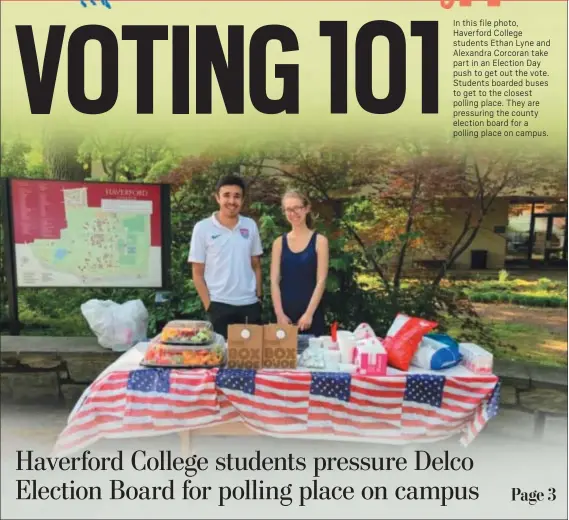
(299, 267)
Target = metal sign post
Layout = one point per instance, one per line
(10, 260)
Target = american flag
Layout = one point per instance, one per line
(146, 401)
(270, 401)
(392, 409)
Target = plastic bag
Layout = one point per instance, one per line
(117, 326)
(364, 331)
(403, 338)
(313, 357)
(437, 352)
(302, 342)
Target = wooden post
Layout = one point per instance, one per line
(186, 443)
(407, 450)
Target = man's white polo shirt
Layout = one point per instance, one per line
(227, 254)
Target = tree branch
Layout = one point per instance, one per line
(446, 263)
(351, 230)
(408, 227)
(370, 258)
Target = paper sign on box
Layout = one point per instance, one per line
(245, 346)
(280, 344)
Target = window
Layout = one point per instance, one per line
(518, 232)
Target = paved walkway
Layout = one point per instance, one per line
(500, 463)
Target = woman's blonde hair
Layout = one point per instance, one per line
(303, 198)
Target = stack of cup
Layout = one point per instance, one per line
(347, 344)
(328, 343)
(332, 353)
(333, 359)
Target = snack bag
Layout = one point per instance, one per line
(364, 331)
(437, 352)
(403, 339)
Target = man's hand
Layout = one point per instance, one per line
(256, 265)
(198, 271)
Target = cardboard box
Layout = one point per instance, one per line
(280, 343)
(476, 359)
(370, 357)
(245, 346)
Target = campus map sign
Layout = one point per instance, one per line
(87, 234)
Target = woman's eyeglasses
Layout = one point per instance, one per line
(293, 209)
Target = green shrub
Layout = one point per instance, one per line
(545, 284)
(543, 287)
(503, 276)
(528, 300)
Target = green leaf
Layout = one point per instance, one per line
(338, 263)
(332, 284)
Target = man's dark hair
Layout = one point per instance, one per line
(231, 180)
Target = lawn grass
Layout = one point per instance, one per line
(534, 344)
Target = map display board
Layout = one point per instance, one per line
(88, 234)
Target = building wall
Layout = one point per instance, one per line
(487, 239)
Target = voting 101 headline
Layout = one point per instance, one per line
(229, 67)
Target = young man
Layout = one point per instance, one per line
(225, 253)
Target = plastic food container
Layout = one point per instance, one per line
(187, 332)
(160, 354)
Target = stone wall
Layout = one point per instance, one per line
(533, 402)
(44, 368)
(65, 385)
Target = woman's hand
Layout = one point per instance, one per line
(283, 319)
(305, 321)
